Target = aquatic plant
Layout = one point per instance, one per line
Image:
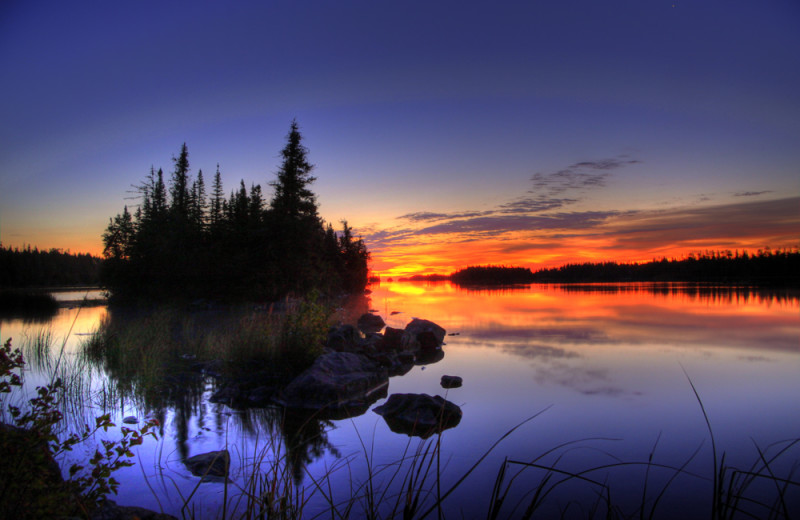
(32, 485)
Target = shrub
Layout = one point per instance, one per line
(31, 484)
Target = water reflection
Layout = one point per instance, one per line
(608, 358)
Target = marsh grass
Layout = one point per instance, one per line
(38, 347)
(141, 350)
(418, 484)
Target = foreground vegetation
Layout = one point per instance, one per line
(415, 485)
(182, 244)
(33, 437)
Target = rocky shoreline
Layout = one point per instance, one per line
(349, 376)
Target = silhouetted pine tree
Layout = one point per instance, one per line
(179, 190)
(293, 199)
(217, 201)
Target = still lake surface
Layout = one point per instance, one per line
(606, 366)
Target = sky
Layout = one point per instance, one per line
(446, 133)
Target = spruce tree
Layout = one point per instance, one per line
(293, 199)
(179, 190)
(217, 201)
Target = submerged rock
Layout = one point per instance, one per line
(335, 380)
(451, 382)
(211, 464)
(419, 414)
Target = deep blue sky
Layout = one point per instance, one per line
(541, 125)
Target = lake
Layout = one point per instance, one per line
(609, 372)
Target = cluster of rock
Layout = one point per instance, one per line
(354, 372)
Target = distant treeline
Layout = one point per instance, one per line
(492, 274)
(181, 242)
(29, 267)
(766, 267)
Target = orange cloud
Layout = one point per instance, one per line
(436, 243)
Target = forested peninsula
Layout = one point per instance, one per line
(766, 267)
(182, 242)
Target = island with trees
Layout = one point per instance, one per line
(182, 242)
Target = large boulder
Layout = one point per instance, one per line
(335, 380)
(419, 414)
(211, 464)
(423, 335)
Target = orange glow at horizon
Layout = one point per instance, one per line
(445, 258)
(633, 236)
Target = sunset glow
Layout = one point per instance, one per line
(533, 134)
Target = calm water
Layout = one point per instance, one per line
(605, 366)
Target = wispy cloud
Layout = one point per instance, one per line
(534, 205)
(427, 216)
(546, 194)
(539, 226)
(750, 193)
(578, 176)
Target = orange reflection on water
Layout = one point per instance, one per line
(70, 326)
(672, 314)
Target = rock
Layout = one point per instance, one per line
(419, 414)
(427, 340)
(405, 357)
(344, 338)
(131, 419)
(261, 395)
(109, 510)
(211, 368)
(335, 380)
(30, 478)
(370, 323)
(423, 334)
(392, 339)
(393, 362)
(428, 357)
(227, 394)
(372, 342)
(451, 382)
(211, 464)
